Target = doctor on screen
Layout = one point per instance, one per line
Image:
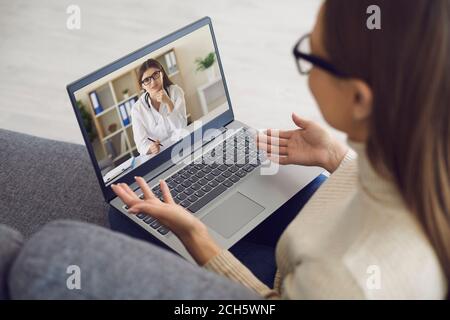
(160, 112)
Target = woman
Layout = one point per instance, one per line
(379, 227)
(160, 111)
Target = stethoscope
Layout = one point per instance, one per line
(146, 99)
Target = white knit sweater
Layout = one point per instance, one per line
(354, 239)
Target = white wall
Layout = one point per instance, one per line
(39, 56)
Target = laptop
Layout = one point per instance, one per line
(209, 159)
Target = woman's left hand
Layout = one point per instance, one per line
(188, 228)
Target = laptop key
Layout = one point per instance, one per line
(227, 183)
(200, 174)
(234, 178)
(213, 183)
(181, 196)
(206, 169)
(186, 183)
(220, 179)
(155, 224)
(241, 173)
(226, 174)
(141, 215)
(163, 230)
(207, 198)
(195, 186)
(248, 168)
(214, 165)
(193, 179)
(185, 175)
(186, 203)
(199, 193)
(216, 172)
(206, 188)
(178, 180)
(148, 219)
(193, 198)
(179, 188)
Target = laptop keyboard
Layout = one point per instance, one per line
(200, 182)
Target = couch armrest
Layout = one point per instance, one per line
(44, 180)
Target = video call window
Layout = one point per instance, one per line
(135, 112)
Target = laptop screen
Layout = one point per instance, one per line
(135, 112)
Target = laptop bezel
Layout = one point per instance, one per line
(218, 122)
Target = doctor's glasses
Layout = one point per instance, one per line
(155, 76)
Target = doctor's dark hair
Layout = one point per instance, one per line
(407, 66)
(152, 63)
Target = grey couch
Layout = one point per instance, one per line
(45, 186)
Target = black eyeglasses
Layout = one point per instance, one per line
(306, 61)
(155, 76)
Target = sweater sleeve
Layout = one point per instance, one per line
(226, 264)
(350, 155)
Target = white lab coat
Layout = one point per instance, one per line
(147, 122)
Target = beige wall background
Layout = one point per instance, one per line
(197, 45)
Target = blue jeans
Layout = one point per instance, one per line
(256, 250)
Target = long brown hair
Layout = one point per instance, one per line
(152, 63)
(407, 65)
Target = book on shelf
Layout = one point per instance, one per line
(95, 103)
(171, 62)
(124, 115)
(128, 105)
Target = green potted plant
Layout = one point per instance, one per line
(207, 64)
(126, 94)
(87, 121)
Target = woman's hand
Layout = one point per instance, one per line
(154, 147)
(162, 97)
(189, 229)
(310, 145)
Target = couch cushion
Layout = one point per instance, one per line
(10, 244)
(111, 266)
(44, 180)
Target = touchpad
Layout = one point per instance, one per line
(232, 214)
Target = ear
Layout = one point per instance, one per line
(362, 100)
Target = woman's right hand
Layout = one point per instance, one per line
(310, 145)
(154, 147)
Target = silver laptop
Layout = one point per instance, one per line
(207, 157)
